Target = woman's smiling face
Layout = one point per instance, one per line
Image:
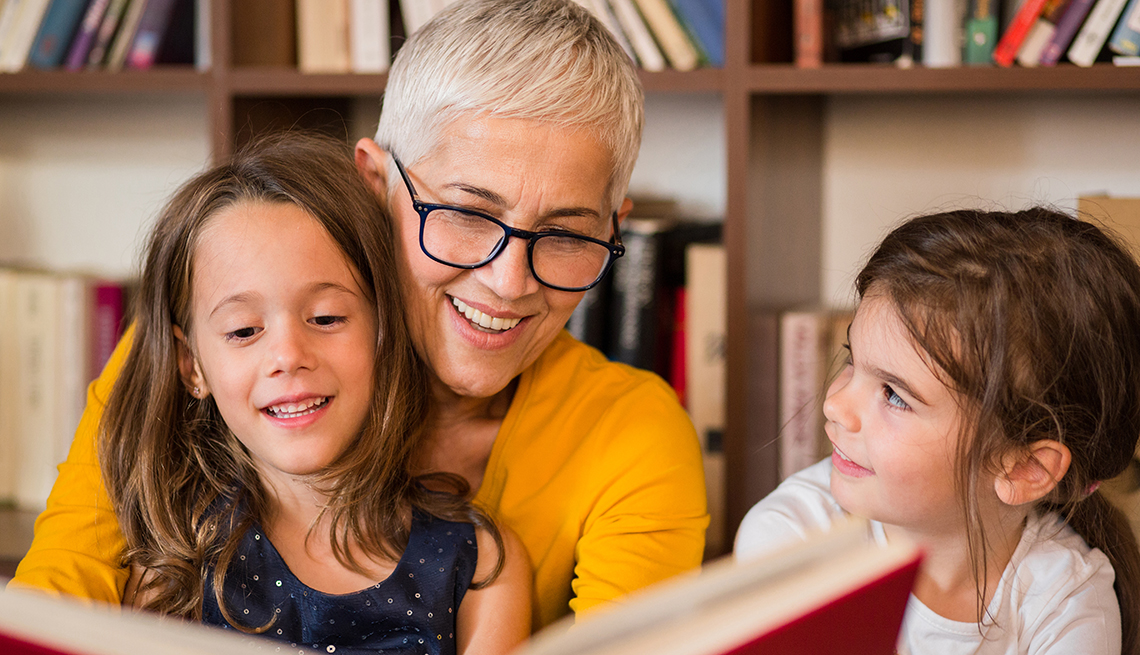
(530, 175)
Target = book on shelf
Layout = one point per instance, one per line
(943, 22)
(275, 22)
(1090, 39)
(674, 42)
(705, 27)
(56, 333)
(981, 32)
(417, 13)
(322, 36)
(880, 31)
(368, 35)
(105, 36)
(807, 28)
(159, 26)
(1005, 52)
(57, 29)
(1041, 32)
(125, 35)
(84, 38)
(648, 54)
(837, 592)
(1125, 39)
(20, 33)
(811, 351)
(1066, 30)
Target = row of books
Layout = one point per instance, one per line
(948, 33)
(56, 332)
(96, 34)
(352, 36)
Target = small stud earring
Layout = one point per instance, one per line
(196, 392)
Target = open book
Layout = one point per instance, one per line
(835, 593)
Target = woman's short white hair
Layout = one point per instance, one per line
(547, 60)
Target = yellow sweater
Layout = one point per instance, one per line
(596, 467)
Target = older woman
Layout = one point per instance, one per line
(506, 140)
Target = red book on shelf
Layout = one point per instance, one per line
(106, 317)
(1005, 52)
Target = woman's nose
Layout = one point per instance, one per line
(509, 274)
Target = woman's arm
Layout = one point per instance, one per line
(78, 543)
(496, 618)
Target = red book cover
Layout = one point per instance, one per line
(106, 324)
(677, 378)
(1006, 50)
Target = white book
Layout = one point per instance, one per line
(21, 34)
(416, 14)
(37, 333)
(670, 35)
(803, 339)
(203, 50)
(1092, 35)
(9, 386)
(648, 55)
(74, 355)
(942, 47)
(1029, 54)
(368, 35)
(322, 36)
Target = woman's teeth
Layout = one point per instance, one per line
(293, 410)
(487, 323)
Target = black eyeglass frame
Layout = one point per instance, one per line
(614, 245)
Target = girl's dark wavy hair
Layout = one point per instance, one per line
(1034, 318)
(177, 476)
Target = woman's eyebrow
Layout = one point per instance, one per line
(500, 201)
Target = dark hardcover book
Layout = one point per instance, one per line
(85, 36)
(181, 41)
(707, 32)
(589, 322)
(106, 34)
(879, 30)
(165, 34)
(1066, 29)
(60, 23)
(1125, 39)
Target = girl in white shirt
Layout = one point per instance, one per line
(993, 382)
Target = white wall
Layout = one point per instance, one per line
(889, 157)
(81, 178)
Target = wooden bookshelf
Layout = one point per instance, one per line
(774, 121)
(15, 537)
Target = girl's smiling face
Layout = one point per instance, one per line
(895, 428)
(283, 336)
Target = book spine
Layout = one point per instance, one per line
(807, 22)
(803, 336)
(589, 322)
(322, 36)
(9, 387)
(705, 327)
(37, 314)
(152, 27)
(648, 55)
(941, 34)
(698, 23)
(74, 355)
(106, 324)
(1006, 50)
(368, 38)
(21, 34)
(203, 46)
(1092, 35)
(106, 35)
(671, 37)
(634, 321)
(1041, 33)
(125, 35)
(56, 33)
(85, 37)
(1125, 39)
(9, 12)
(1066, 29)
(981, 33)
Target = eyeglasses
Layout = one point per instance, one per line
(464, 238)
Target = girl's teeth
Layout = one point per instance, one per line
(293, 410)
(488, 323)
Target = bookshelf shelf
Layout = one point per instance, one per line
(159, 80)
(280, 81)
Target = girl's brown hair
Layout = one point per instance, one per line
(1034, 318)
(183, 487)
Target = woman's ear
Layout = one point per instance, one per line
(624, 210)
(372, 164)
(1029, 475)
(188, 368)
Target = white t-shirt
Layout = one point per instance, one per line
(1055, 595)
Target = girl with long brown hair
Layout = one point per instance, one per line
(993, 383)
(259, 447)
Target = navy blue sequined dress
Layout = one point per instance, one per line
(412, 611)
